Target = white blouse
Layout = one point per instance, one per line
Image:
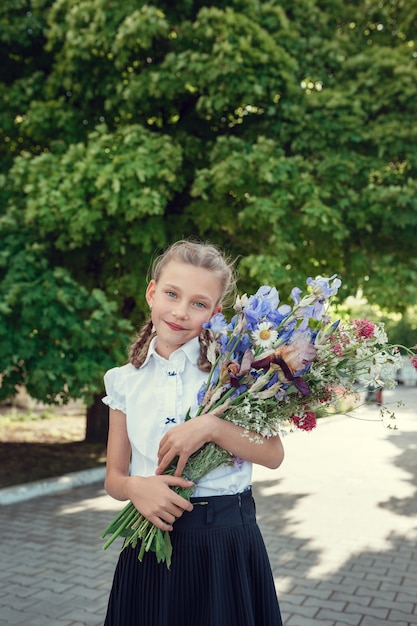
(157, 396)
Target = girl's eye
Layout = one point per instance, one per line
(171, 294)
(200, 305)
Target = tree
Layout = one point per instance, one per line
(284, 132)
(56, 336)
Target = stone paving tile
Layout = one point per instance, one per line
(343, 596)
(354, 607)
(371, 621)
(299, 620)
(351, 619)
(339, 528)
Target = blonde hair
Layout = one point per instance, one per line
(198, 254)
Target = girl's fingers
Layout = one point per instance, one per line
(178, 481)
(166, 518)
(166, 461)
(182, 460)
(160, 523)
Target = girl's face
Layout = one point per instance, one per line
(183, 298)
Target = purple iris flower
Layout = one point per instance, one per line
(314, 311)
(295, 294)
(232, 324)
(238, 391)
(217, 325)
(243, 345)
(201, 393)
(286, 332)
(261, 305)
(222, 341)
(216, 373)
(322, 285)
(272, 381)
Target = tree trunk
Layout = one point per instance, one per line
(97, 421)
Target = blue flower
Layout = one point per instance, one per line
(278, 316)
(201, 393)
(261, 305)
(217, 325)
(322, 288)
(243, 345)
(295, 294)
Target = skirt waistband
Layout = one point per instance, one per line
(223, 499)
(219, 512)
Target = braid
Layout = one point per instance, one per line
(139, 348)
(203, 363)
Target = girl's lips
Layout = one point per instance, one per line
(174, 326)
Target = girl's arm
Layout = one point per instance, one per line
(184, 439)
(151, 495)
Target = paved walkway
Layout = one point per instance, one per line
(339, 520)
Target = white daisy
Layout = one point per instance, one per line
(265, 335)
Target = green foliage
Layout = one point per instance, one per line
(402, 331)
(113, 183)
(56, 337)
(283, 131)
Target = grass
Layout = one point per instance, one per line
(35, 445)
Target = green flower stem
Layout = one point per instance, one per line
(400, 347)
(138, 527)
(117, 519)
(120, 529)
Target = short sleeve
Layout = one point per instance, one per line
(114, 384)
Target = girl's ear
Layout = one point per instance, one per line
(150, 292)
(218, 309)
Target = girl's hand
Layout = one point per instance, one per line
(153, 498)
(182, 441)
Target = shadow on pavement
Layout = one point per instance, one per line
(339, 523)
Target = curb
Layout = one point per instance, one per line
(19, 493)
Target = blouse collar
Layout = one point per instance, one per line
(190, 350)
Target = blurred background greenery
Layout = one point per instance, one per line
(283, 131)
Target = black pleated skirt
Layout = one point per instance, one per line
(220, 573)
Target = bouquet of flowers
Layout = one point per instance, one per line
(276, 368)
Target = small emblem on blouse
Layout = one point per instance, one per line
(170, 420)
(171, 373)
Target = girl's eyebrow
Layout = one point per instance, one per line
(194, 297)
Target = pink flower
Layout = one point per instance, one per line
(337, 349)
(327, 394)
(414, 362)
(306, 422)
(344, 338)
(364, 328)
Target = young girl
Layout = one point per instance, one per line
(220, 573)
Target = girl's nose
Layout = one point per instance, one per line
(180, 311)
